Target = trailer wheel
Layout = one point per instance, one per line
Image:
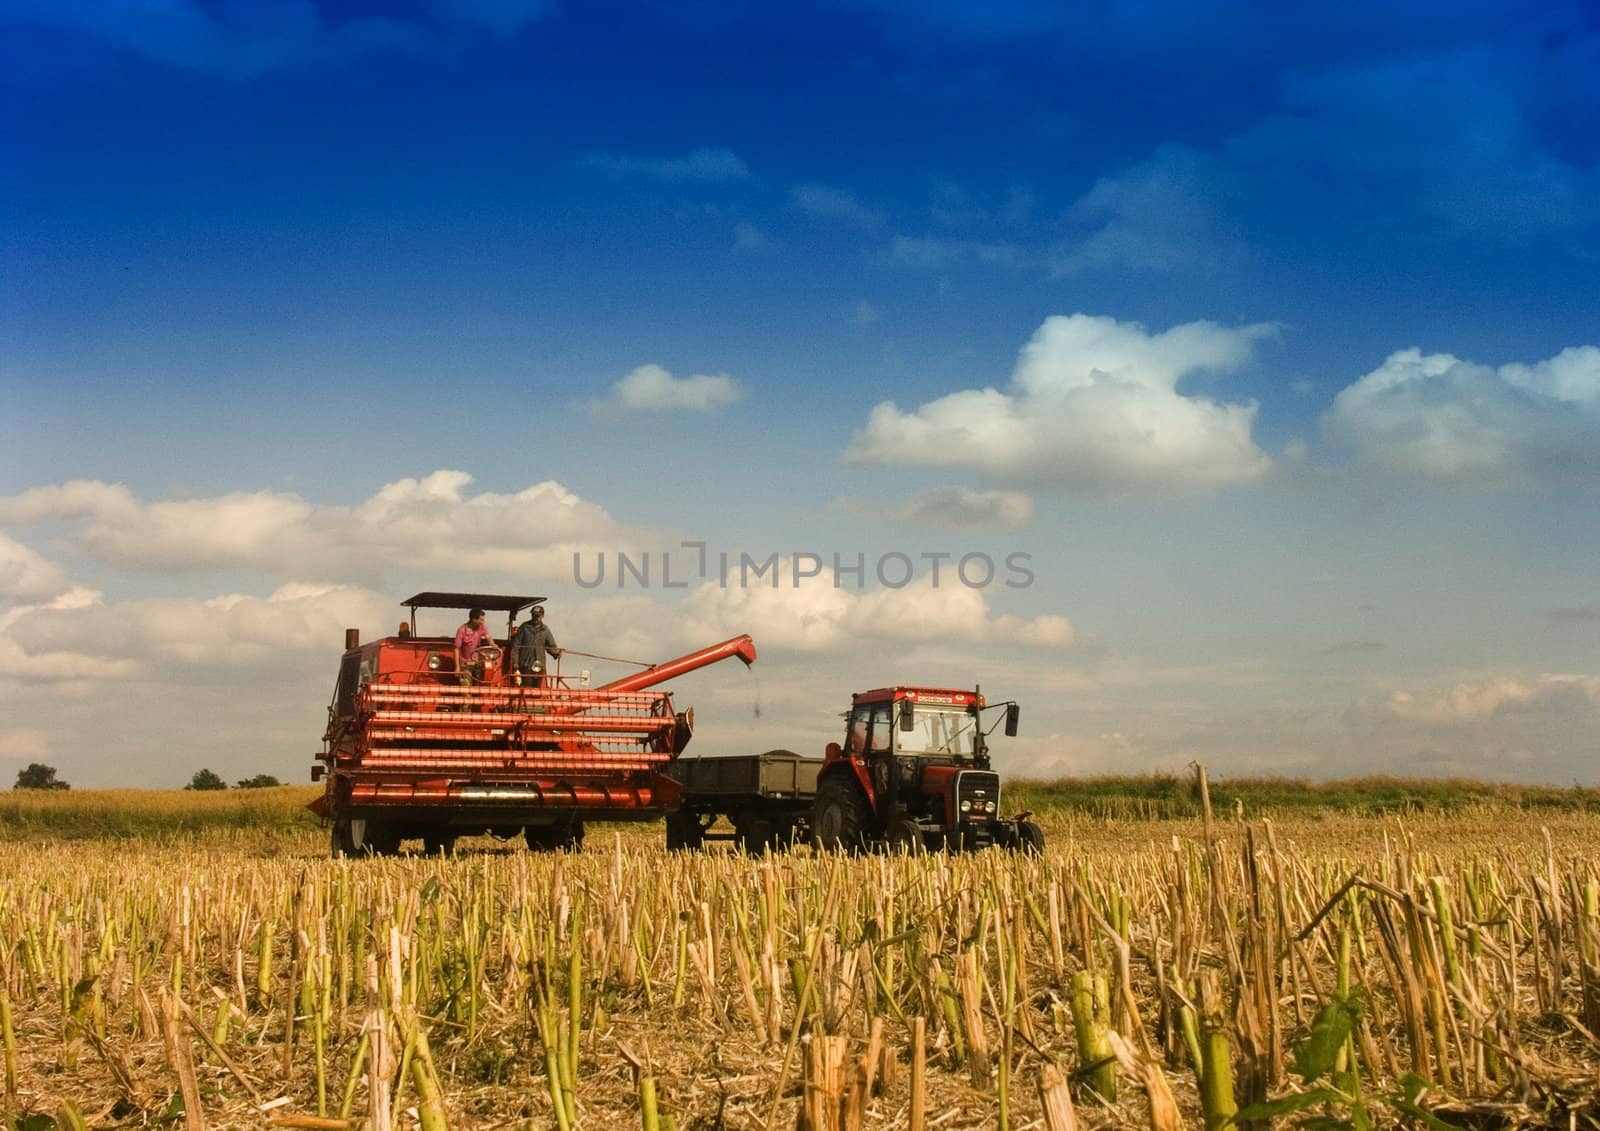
(685, 833)
(839, 815)
(756, 833)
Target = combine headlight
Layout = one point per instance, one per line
(435, 662)
(966, 806)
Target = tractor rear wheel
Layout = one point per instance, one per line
(839, 816)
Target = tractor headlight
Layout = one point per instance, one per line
(966, 806)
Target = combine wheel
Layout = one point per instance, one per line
(341, 843)
(685, 833)
(839, 815)
(378, 839)
(555, 838)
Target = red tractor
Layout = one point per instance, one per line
(914, 773)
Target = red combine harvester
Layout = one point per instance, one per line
(416, 750)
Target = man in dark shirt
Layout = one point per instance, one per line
(534, 645)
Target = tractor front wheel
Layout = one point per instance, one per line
(839, 816)
(1030, 838)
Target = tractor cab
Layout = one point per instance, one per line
(913, 771)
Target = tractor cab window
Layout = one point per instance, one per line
(939, 732)
(856, 740)
(882, 729)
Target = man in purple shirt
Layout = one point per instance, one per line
(470, 639)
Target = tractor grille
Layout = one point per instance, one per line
(977, 787)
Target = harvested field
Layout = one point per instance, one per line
(1364, 970)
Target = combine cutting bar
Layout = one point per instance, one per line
(435, 792)
(411, 696)
(472, 720)
(456, 761)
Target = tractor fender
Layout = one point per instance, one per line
(851, 769)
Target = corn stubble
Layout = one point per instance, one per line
(1170, 976)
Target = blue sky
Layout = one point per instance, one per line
(1128, 288)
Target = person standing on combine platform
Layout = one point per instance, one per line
(534, 644)
(470, 639)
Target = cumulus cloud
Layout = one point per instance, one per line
(834, 205)
(26, 575)
(1093, 404)
(650, 388)
(1437, 417)
(413, 523)
(816, 616)
(296, 623)
(960, 508)
(1167, 213)
(1476, 700)
(705, 165)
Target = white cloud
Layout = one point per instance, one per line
(704, 165)
(816, 616)
(1474, 701)
(148, 638)
(26, 575)
(1437, 417)
(824, 202)
(960, 508)
(1093, 404)
(430, 523)
(651, 388)
(1164, 214)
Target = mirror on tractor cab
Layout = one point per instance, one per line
(1013, 713)
(907, 721)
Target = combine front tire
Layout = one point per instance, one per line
(340, 842)
(840, 815)
(439, 844)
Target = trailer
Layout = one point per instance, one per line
(416, 749)
(767, 798)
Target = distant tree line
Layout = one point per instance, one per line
(39, 776)
(209, 779)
